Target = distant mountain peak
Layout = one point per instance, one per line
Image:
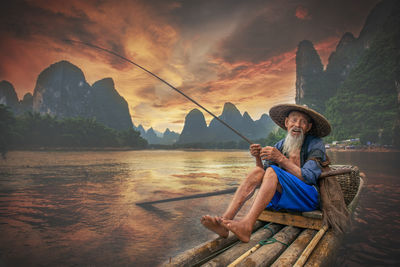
(306, 44)
(247, 117)
(5, 83)
(62, 90)
(63, 66)
(195, 129)
(107, 82)
(347, 38)
(229, 107)
(8, 96)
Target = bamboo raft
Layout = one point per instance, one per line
(279, 238)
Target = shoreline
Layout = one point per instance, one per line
(51, 149)
(368, 149)
(44, 149)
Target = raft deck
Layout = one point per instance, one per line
(279, 238)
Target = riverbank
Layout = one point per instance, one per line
(75, 149)
(364, 149)
(339, 149)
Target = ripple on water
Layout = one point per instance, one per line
(78, 208)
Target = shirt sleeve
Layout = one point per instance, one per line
(310, 172)
(311, 169)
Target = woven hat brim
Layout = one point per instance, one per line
(321, 126)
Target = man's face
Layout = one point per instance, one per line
(296, 123)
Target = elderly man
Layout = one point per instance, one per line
(287, 177)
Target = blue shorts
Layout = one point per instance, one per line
(296, 195)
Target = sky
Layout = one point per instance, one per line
(215, 51)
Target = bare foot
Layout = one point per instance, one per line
(212, 223)
(240, 228)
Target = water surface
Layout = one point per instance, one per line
(78, 208)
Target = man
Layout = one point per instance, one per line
(288, 176)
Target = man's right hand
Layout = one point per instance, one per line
(255, 150)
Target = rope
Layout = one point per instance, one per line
(271, 230)
(271, 240)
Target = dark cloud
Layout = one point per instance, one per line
(207, 48)
(23, 20)
(194, 14)
(26, 21)
(276, 29)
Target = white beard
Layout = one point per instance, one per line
(292, 143)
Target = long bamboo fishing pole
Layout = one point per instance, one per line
(167, 83)
(228, 191)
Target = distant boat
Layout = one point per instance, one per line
(288, 239)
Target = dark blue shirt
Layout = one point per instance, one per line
(313, 147)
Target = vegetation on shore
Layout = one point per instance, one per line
(32, 130)
(366, 105)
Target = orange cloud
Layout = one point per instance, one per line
(302, 13)
(187, 53)
(326, 47)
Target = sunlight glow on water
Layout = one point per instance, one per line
(78, 208)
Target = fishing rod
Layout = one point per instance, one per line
(221, 192)
(162, 80)
(201, 195)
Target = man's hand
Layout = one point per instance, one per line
(272, 154)
(255, 150)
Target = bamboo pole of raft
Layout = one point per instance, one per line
(247, 253)
(228, 256)
(267, 254)
(292, 253)
(306, 253)
(207, 250)
(286, 235)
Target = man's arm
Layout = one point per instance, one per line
(310, 171)
(290, 167)
(255, 150)
(273, 154)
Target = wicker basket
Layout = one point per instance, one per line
(349, 182)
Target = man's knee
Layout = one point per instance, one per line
(270, 174)
(258, 171)
(256, 175)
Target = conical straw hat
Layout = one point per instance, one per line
(320, 125)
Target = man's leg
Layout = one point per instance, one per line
(244, 192)
(243, 228)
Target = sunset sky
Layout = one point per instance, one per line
(215, 51)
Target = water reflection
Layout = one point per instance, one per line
(78, 208)
(372, 240)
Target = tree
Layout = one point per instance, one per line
(366, 105)
(7, 121)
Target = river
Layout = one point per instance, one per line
(78, 208)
